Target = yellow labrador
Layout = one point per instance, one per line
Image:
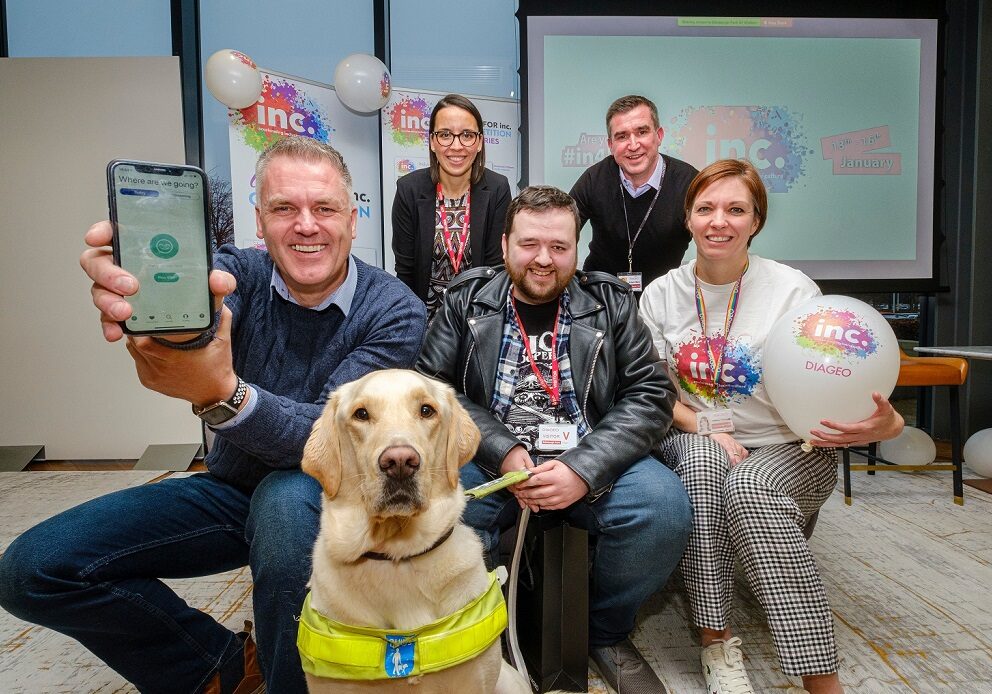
(387, 451)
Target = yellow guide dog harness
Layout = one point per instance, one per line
(341, 651)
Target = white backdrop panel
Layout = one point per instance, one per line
(405, 120)
(294, 106)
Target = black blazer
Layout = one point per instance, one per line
(414, 209)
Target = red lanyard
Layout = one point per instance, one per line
(456, 260)
(554, 390)
(716, 361)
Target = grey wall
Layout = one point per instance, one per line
(61, 384)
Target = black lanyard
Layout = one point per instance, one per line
(631, 242)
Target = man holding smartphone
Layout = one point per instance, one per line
(295, 321)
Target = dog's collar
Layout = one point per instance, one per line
(379, 556)
(341, 651)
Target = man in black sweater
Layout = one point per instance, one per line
(634, 199)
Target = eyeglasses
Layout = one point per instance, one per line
(445, 138)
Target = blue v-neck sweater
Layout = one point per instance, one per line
(295, 357)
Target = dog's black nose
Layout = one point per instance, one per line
(399, 462)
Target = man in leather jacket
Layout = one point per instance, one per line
(561, 376)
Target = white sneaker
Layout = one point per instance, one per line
(723, 668)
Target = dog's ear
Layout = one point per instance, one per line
(322, 454)
(463, 439)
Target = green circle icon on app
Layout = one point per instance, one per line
(164, 246)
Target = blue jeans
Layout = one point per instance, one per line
(641, 527)
(93, 574)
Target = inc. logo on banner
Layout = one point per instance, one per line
(294, 106)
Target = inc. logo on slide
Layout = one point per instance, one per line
(772, 138)
(836, 333)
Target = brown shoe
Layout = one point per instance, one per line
(252, 682)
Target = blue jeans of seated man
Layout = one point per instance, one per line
(641, 527)
(93, 574)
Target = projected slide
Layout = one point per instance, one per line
(838, 116)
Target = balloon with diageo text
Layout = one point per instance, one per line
(824, 359)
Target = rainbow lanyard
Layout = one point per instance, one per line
(715, 361)
(554, 390)
(456, 260)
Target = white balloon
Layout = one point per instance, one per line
(233, 79)
(911, 447)
(362, 82)
(978, 452)
(824, 358)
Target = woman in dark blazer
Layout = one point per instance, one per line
(450, 217)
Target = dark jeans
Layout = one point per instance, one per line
(93, 573)
(642, 525)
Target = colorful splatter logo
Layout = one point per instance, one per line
(739, 372)
(244, 59)
(836, 334)
(409, 119)
(771, 137)
(405, 166)
(282, 109)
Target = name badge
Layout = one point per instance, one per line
(557, 437)
(633, 279)
(716, 421)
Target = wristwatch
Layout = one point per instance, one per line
(222, 411)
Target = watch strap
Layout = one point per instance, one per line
(240, 392)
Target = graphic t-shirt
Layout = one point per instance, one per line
(531, 403)
(442, 270)
(668, 307)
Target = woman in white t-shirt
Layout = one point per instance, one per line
(752, 487)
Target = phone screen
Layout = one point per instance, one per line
(161, 238)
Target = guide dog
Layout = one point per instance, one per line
(392, 553)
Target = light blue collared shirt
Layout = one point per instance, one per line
(342, 297)
(653, 183)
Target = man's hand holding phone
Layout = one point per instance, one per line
(112, 284)
(201, 376)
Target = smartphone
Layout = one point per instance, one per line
(161, 236)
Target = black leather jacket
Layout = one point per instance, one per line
(622, 386)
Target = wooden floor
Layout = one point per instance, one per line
(908, 574)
